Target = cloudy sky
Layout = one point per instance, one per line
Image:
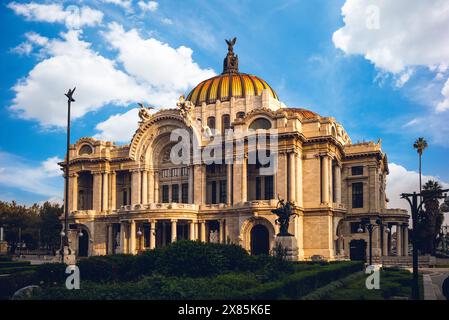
(381, 68)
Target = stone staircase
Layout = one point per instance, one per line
(395, 261)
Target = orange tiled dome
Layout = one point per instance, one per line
(227, 85)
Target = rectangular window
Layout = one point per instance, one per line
(258, 189)
(175, 193)
(269, 192)
(214, 192)
(185, 193)
(165, 194)
(357, 171)
(357, 195)
(355, 227)
(223, 186)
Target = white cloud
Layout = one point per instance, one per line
(148, 5)
(167, 21)
(398, 35)
(25, 48)
(119, 127)
(44, 178)
(122, 3)
(400, 180)
(72, 16)
(71, 62)
(168, 71)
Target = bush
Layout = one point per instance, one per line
(12, 283)
(5, 258)
(12, 264)
(50, 274)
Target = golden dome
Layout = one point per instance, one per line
(225, 86)
(231, 83)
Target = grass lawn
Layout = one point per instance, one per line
(394, 284)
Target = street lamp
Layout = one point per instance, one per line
(412, 199)
(366, 223)
(64, 238)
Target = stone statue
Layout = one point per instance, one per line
(144, 114)
(284, 212)
(185, 107)
(231, 61)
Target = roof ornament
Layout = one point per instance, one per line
(185, 107)
(144, 113)
(231, 61)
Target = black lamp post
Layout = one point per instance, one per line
(366, 223)
(64, 232)
(412, 199)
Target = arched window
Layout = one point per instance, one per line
(85, 150)
(260, 123)
(225, 123)
(240, 115)
(211, 122)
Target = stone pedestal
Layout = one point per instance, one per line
(289, 245)
(69, 256)
(3, 247)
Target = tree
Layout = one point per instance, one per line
(420, 145)
(430, 219)
(50, 225)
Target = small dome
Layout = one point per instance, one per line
(231, 83)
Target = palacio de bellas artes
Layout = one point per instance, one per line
(208, 159)
(243, 151)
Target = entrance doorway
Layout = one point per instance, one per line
(83, 244)
(260, 243)
(357, 250)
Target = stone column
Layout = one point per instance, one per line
(135, 187)
(113, 195)
(405, 234)
(281, 176)
(122, 237)
(385, 241)
(132, 237)
(196, 231)
(144, 182)
(73, 192)
(244, 179)
(192, 230)
(105, 189)
(173, 230)
(110, 239)
(152, 234)
(191, 185)
(299, 190)
(156, 186)
(199, 184)
(325, 179)
(96, 190)
(338, 183)
(399, 240)
(221, 231)
(291, 187)
(228, 184)
(151, 187)
(203, 231)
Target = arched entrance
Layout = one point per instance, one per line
(357, 250)
(83, 244)
(260, 243)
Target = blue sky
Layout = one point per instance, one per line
(378, 75)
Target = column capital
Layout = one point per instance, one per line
(173, 220)
(97, 172)
(73, 174)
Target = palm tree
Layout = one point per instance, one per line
(420, 145)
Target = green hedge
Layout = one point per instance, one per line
(222, 287)
(300, 284)
(12, 264)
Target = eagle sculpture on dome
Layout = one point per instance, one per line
(231, 61)
(144, 114)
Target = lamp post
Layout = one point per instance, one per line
(366, 222)
(412, 199)
(64, 232)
